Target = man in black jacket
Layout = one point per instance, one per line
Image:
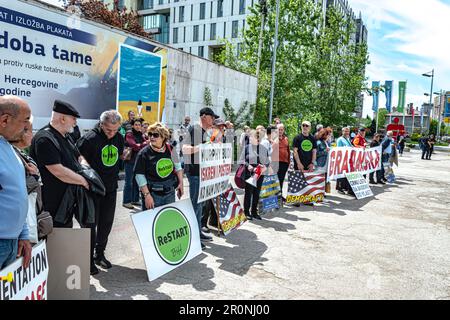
(102, 148)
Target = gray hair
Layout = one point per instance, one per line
(345, 128)
(9, 105)
(111, 116)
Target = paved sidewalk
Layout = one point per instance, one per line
(392, 246)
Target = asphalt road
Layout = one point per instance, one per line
(393, 246)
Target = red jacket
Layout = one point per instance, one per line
(359, 141)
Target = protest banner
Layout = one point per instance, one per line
(18, 283)
(344, 160)
(215, 168)
(359, 185)
(69, 258)
(305, 187)
(270, 194)
(231, 214)
(169, 237)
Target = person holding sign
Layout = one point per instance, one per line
(256, 159)
(158, 170)
(305, 149)
(342, 184)
(196, 136)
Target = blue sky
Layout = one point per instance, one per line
(407, 38)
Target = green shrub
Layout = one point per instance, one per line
(415, 137)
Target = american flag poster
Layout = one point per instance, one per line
(305, 187)
(231, 214)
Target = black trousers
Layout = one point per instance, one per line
(429, 152)
(282, 169)
(425, 153)
(251, 197)
(105, 208)
(378, 173)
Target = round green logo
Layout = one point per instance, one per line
(307, 145)
(110, 155)
(164, 167)
(171, 235)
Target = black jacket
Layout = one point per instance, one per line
(79, 202)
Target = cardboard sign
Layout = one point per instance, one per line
(215, 169)
(231, 214)
(169, 237)
(344, 160)
(69, 258)
(270, 195)
(305, 187)
(359, 185)
(18, 283)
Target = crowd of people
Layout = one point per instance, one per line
(66, 177)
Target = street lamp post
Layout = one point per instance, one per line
(428, 75)
(274, 61)
(440, 93)
(263, 5)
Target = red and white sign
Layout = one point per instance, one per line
(215, 169)
(345, 160)
(29, 283)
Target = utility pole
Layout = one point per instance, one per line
(263, 5)
(274, 61)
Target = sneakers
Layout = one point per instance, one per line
(372, 182)
(206, 230)
(94, 269)
(203, 245)
(256, 216)
(101, 261)
(204, 237)
(382, 182)
(128, 205)
(249, 217)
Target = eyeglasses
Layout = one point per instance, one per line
(305, 126)
(154, 134)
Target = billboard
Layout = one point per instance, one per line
(45, 56)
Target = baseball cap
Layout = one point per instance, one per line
(208, 111)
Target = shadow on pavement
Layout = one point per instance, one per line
(246, 252)
(125, 283)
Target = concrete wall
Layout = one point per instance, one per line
(188, 76)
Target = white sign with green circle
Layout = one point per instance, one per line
(110, 155)
(169, 237)
(164, 167)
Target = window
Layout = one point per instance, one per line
(202, 10)
(161, 2)
(174, 12)
(204, 31)
(232, 6)
(192, 11)
(200, 51)
(224, 29)
(190, 49)
(175, 35)
(181, 16)
(241, 6)
(219, 8)
(234, 29)
(184, 34)
(195, 33)
(210, 10)
(212, 32)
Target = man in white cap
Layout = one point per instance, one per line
(305, 149)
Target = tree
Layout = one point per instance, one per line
(382, 117)
(207, 97)
(319, 71)
(124, 19)
(240, 118)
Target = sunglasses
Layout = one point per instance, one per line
(305, 126)
(154, 134)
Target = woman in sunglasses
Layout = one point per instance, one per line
(158, 170)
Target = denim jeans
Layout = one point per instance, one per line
(194, 189)
(160, 199)
(8, 251)
(130, 190)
